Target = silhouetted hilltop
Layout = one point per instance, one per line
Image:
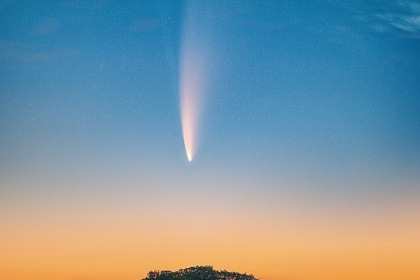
(198, 273)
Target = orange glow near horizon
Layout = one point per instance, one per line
(99, 240)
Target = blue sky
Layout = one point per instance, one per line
(304, 90)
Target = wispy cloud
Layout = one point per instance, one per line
(145, 25)
(29, 53)
(4, 4)
(46, 27)
(84, 4)
(407, 23)
(403, 16)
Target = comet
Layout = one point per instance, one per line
(191, 101)
(192, 76)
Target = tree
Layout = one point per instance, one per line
(198, 273)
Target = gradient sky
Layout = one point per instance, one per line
(308, 150)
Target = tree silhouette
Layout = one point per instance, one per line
(198, 273)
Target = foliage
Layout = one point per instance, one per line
(198, 273)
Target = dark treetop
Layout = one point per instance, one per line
(198, 273)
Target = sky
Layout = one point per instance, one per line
(276, 138)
